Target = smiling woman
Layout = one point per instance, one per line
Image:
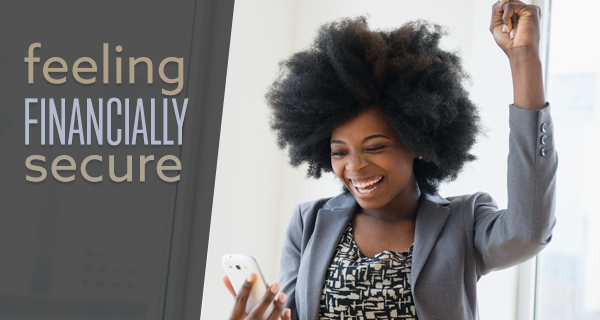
(386, 111)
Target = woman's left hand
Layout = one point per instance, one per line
(516, 25)
(516, 29)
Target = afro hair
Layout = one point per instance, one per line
(349, 68)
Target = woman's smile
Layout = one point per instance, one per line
(367, 187)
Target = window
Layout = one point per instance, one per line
(568, 277)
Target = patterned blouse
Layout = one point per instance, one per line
(359, 288)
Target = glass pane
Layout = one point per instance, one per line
(569, 268)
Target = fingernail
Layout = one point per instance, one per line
(505, 28)
(512, 34)
(251, 278)
(282, 297)
(288, 313)
(274, 288)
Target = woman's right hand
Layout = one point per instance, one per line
(239, 308)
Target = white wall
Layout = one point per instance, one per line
(266, 188)
(249, 162)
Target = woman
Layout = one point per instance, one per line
(386, 112)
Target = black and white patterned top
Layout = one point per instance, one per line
(360, 288)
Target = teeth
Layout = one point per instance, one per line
(366, 184)
(363, 191)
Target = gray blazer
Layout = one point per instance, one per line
(457, 239)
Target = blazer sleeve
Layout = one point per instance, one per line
(291, 252)
(504, 238)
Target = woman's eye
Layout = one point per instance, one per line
(375, 148)
(337, 153)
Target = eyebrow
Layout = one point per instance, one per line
(363, 140)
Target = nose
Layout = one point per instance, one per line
(356, 162)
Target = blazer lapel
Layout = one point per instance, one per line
(431, 217)
(330, 223)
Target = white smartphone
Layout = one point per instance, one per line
(238, 267)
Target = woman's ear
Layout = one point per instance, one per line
(415, 156)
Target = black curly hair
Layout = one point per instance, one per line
(349, 69)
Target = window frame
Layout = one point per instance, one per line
(528, 271)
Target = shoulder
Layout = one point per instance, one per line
(456, 202)
(472, 207)
(474, 200)
(306, 213)
(309, 210)
(311, 207)
(468, 205)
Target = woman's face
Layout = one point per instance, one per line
(371, 161)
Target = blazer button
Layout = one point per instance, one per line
(544, 127)
(543, 139)
(544, 151)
